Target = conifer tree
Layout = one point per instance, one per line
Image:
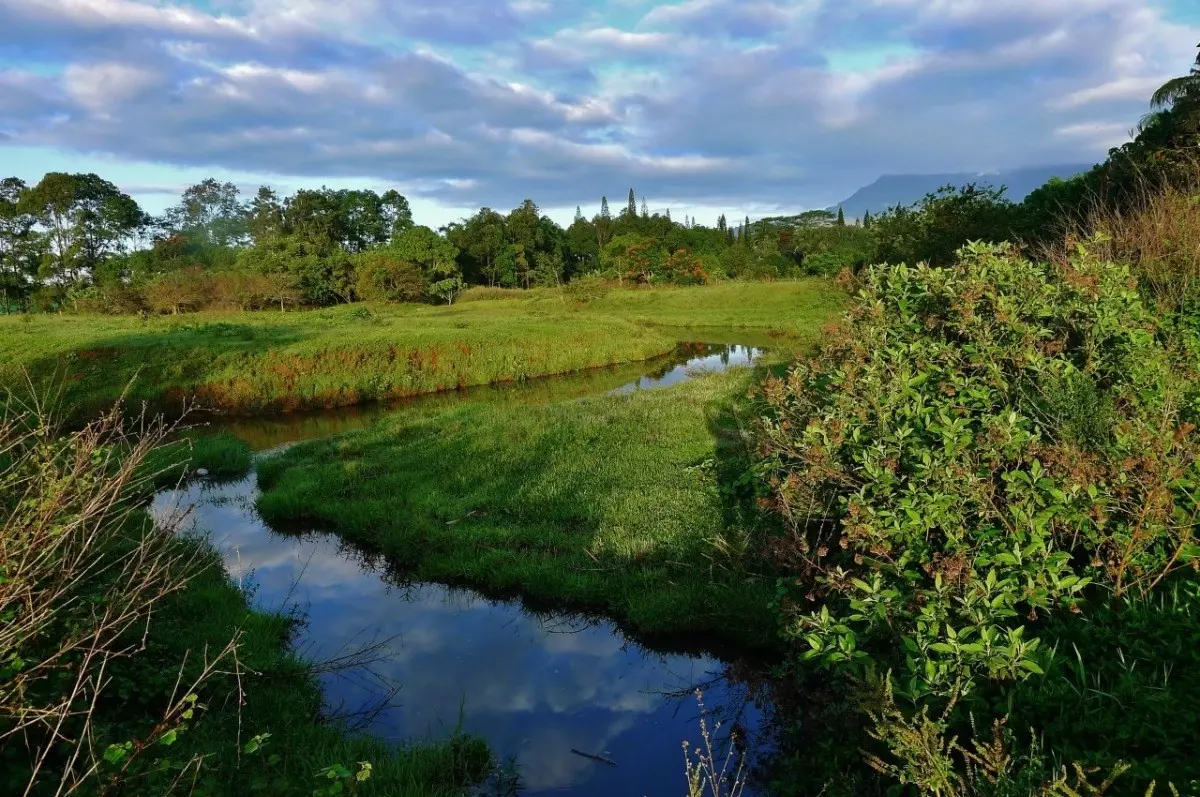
(746, 230)
(841, 219)
(645, 209)
(722, 225)
(631, 210)
(668, 214)
(578, 213)
(604, 214)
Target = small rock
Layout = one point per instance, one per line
(201, 471)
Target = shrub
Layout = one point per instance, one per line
(175, 291)
(484, 293)
(978, 449)
(111, 298)
(683, 268)
(381, 275)
(588, 288)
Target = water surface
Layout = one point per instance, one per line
(539, 687)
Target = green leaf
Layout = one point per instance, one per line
(115, 753)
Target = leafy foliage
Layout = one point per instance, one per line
(933, 229)
(980, 448)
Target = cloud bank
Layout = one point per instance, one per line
(712, 103)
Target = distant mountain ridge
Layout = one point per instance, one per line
(905, 189)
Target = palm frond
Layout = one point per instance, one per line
(1176, 89)
(1150, 120)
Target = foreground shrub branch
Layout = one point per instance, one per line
(82, 573)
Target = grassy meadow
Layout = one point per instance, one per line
(627, 505)
(340, 356)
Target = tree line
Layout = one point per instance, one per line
(76, 241)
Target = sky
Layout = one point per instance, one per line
(746, 107)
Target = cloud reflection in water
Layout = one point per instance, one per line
(535, 686)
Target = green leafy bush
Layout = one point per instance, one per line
(980, 449)
(933, 229)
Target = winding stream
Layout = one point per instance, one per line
(540, 687)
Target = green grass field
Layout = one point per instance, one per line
(245, 362)
(628, 505)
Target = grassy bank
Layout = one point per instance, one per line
(629, 505)
(131, 664)
(280, 697)
(342, 356)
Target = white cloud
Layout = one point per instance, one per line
(1135, 89)
(701, 103)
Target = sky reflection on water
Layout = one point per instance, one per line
(535, 685)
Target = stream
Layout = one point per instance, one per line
(571, 703)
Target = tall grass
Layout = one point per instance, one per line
(484, 293)
(1155, 229)
(257, 361)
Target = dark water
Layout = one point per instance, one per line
(537, 686)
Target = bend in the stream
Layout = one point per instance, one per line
(541, 687)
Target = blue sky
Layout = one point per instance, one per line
(704, 106)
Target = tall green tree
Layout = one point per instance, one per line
(364, 221)
(482, 240)
(265, 216)
(397, 213)
(86, 220)
(841, 217)
(631, 207)
(209, 212)
(603, 224)
(315, 218)
(582, 246)
(525, 225)
(19, 249)
(436, 257)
